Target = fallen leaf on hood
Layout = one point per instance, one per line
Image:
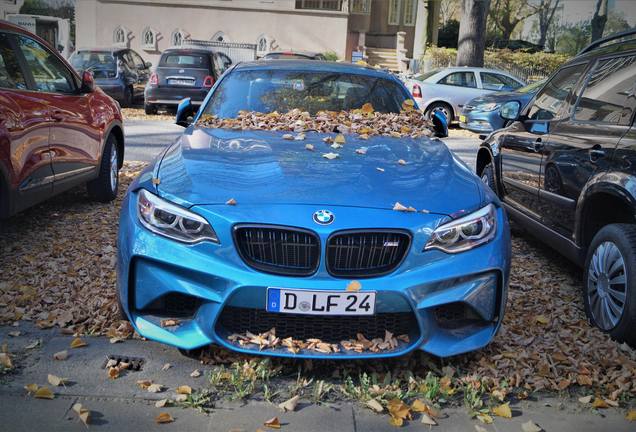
(408, 105)
(331, 156)
(78, 343)
(166, 367)
(631, 415)
(380, 169)
(155, 388)
(328, 139)
(43, 393)
(428, 420)
(164, 418)
(586, 399)
(290, 404)
(402, 162)
(309, 147)
(340, 139)
(195, 373)
(354, 286)
(502, 410)
(361, 150)
(62, 355)
(175, 322)
(375, 405)
(56, 381)
(83, 413)
(14, 333)
(542, 319)
(184, 389)
(367, 108)
(161, 403)
(5, 360)
(399, 207)
(299, 137)
(231, 202)
(530, 426)
(31, 388)
(599, 403)
(336, 146)
(484, 418)
(289, 137)
(273, 423)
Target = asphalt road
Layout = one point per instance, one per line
(146, 138)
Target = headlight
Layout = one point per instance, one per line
(487, 107)
(169, 220)
(465, 233)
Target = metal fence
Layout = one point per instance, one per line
(237, 52)
(526, 74)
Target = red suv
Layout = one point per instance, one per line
(57, 130)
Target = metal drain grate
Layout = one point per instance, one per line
(136, 363)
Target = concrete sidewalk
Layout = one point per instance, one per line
(122, 406)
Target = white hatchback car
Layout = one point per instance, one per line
(447, 90)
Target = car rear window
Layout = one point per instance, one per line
(185, 60)
(267, 91)
(101, 63)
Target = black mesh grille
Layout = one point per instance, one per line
(277, 250)
(366, 253)
(331, 329)
(173, 305)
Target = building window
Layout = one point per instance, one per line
(333, 5)
(394, 12)
(262, 45)
(410, 12)
(178, 36)
(120, 37)
(360, 7)
(149, 39)
(219, 37)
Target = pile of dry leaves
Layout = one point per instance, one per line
(58, 269)
(269, 340)
(364, 121)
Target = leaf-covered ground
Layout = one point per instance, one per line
(57, 264)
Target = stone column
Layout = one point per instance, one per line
(403, 62)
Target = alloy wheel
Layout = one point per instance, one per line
(113, 168)
(607, 285)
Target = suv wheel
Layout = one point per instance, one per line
(610, 281)
(488, 176)
(104, 187)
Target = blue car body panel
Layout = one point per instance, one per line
(487, 121)
(278, 182)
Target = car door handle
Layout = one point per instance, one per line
(538, 145)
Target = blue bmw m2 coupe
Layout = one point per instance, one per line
(252, 240)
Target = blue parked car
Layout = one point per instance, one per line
(234, 232)
(481, 115)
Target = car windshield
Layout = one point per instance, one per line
(94, 60)
(188, 60)
(531, 88)
(283, 90)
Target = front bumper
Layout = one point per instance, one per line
(480, 121)
(446, 296)
(167, 96)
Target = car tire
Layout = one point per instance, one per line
(443, 107)
(150, 109)
(104, 187)
(128, 100)
(488, 177)
(612, 257)
(192, 353)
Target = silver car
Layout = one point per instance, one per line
(448, 90)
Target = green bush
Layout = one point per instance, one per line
(330, 56)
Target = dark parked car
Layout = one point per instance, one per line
(120, 72)
(291, 55)
(57, 130)
(482, 115)
(566, 170)
(183, 73)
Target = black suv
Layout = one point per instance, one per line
(565, 169)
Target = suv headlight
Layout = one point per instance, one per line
(169, 220)
(466, 232)
(487, 107)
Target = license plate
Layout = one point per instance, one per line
(308, 302)
(462, 118)
(181, 82)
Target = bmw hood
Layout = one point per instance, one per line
(212, 166)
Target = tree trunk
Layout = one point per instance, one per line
(546, 15)
(599, 19)
(472, 33)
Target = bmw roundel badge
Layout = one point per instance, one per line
(323, 217)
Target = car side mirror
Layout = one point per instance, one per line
(148, 65)
(510, 110)
(88, 82)
(185, 113)
(440, 124)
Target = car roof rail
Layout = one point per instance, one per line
(602, 41)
